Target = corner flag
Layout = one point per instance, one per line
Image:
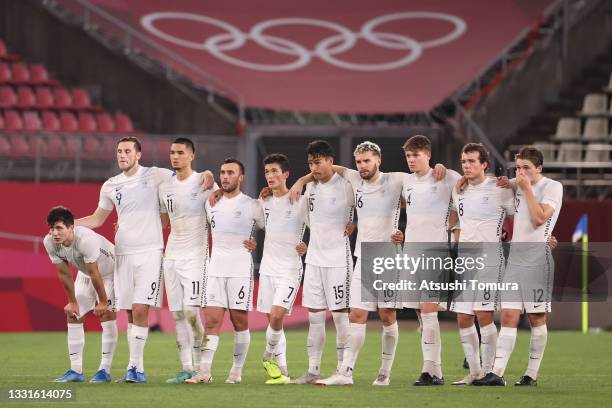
(581, 233)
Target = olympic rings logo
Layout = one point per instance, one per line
(327, 49)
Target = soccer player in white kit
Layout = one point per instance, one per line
(182, 203)
(329, 262)
(138, 244)
(538, 202)
(229, 276)
(428, 203)
(481, 208)
(94, 257)
(280, 271)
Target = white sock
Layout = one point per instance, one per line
(471, 348)
(242, 340)
(488, 342)
(505, 345)
(129, 340)
(192, 314)
(342, 323)
(390, 336)
(281, 354)
(183, 341)
(431, 344)
(76, 342)
(537, 345)
(209, 347)
(273, 337)
(139, 339)
(315, 341)
(356, 338)
(109, 343)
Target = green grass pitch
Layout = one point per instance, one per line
(576, 371)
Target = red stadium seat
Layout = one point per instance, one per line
(44, 98)
(87, 123)
(73, 146)
(68, 122)
(12, 121)
(5, 73)
(63, 99)
(5, 146)
(21, 73)
(25, 97)
(8, 98)
(4, 55)
(40, 75)
(56, 148)
(123, 123)
(50, 122)
(92, 147)
(109, 147)
(19, 146)
(31, 121)
(105, 122)
(82, 101)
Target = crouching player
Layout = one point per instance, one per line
(94, 257)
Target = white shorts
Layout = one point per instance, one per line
(485, 300)
(229, 293)
(533, 296)
(138, 279)
(326, 288)
(183, 279)
(86, 295)
(277, 291)
(355, 302)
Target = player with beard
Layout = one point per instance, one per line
(229, 276)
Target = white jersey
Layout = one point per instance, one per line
(546, 191)
(185, 202)
(330, 208)
(428, 204)
(232, 221)
(482, 210)
(378, 206)
(285, 223)
(87, 247)
(137, 205)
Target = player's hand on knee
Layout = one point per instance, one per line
(250, 244)
(461, 184)
(72, 310)
(101, 308)
(214, 197)
(397, 237)
(301, 248)
(439, 172)
(265, 192)
(350, 227)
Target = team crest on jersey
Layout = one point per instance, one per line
(434, 189)
(485, 200)
(288, 214)
(333, 200)
(194, 196)
(237, 213)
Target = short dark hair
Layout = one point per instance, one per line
(532, 154)
(320, 148)
(234, 160)
(418, 142)
(483, 154)
(186, 142)
(132, 139)
(279, 159)
(60, 214)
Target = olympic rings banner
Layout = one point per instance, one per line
(335, 56)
